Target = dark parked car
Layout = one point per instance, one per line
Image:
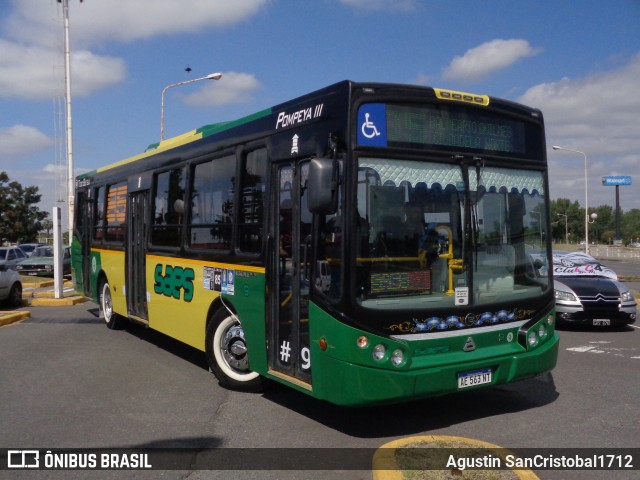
(41, 262)
(588, 292)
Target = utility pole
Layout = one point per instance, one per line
(69, 128)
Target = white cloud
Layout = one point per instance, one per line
(19, 140)
(27, 71)
(36, 73)
(31, 61)
(598, 115)
(56, 169)
(481, 61)
(232, 88)
(97, 21)
(598, 112)
(91, 72)
(423, 79)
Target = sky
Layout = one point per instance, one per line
(576, 60)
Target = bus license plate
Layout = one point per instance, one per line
(601, 322)
(476, 377)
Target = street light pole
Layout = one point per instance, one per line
(586, 196)
(211, 76)
(566, 228)
(71, 197)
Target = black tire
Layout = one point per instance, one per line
(111, 319)
(15, 295)
(227, 354)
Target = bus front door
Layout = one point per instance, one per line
(83, 233)
(289, 354)
(135, 255)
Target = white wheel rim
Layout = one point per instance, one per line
(219, 344)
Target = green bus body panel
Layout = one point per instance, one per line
(76, 266)
(249, 303)
(347, 375)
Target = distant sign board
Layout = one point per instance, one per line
(612, 181)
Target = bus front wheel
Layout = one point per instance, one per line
(227, 354)
(112, 319)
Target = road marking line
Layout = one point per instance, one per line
(581, 349)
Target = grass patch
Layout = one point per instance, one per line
(34, 279)
(415, 461)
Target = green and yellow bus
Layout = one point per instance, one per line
(365, 243)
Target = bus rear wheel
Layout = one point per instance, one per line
(112, 319)
(227, 354)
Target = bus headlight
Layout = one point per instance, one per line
(379, 352)
(532, 338)
(397, 357)
(542, 331)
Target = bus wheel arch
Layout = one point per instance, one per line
(226, 352)
(111, 318)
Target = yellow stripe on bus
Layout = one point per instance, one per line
(207, 263)
(204, 263)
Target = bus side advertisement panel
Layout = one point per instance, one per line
(181, 292)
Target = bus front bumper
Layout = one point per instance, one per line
(353, 385)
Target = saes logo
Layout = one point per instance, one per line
(173, 281)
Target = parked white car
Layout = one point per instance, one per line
(10, 286)
(11, 256)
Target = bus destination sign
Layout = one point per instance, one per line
(439, 125)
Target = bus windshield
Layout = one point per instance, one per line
(436, 240)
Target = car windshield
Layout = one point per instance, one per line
(42, 252)
(572, 264)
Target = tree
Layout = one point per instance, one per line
(630, 225)
(575, 220)
(19, 216)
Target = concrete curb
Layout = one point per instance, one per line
(7, 318)
(56, 302)
(385, 455)
(39, 294)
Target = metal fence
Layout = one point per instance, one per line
(615, 253)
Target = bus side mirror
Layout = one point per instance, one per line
(322, 194)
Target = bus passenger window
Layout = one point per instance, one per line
(251, 212)
(98, 225)
(168, 208)
(116, 212)
(212, 204)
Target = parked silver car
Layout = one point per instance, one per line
(28, 248)
(588, 292)
(41, 262)
(10, 287)
(11, 256)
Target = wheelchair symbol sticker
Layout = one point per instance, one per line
(372, 121)
(369, 129)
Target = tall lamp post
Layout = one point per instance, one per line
(586, 196)
(69, 127)
(211, 76)
(566, 227)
